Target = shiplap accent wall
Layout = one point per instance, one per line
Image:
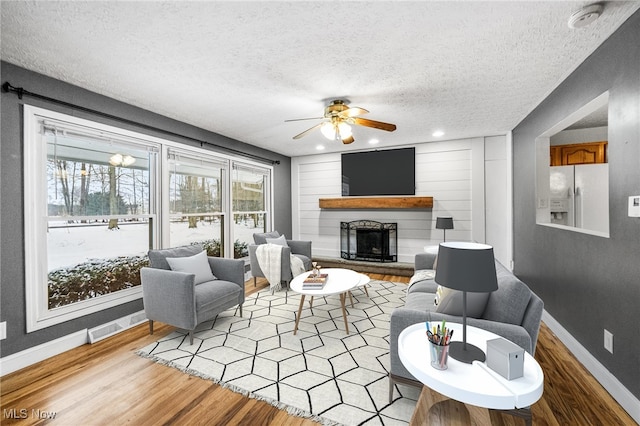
(452, 172)
(498, 199)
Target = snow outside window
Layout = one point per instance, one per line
(251, 200)
(196, 193)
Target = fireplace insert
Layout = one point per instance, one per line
(369, 240)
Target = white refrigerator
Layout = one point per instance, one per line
(577, 193)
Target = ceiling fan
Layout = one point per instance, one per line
(338, 118)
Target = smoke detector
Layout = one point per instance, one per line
(585, 16)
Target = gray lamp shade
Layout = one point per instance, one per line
(444, 223)
(466, 267)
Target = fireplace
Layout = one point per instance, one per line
(369, 240)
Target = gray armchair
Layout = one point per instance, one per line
(300, 249)
(176, 299)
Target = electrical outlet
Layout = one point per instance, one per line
(608, 340)
(3, 330)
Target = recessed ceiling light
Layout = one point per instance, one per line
(437, 133)
(320, 147)
(373, 141)
(585, 16)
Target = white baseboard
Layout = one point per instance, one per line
(30, 356)
(618, 391)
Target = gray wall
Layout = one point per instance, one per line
(589, 283)
(12, 285)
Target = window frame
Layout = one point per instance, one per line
(38, 315)
(268, 195)
(171, 153)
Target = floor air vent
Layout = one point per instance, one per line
(106, 330)
(137, 318)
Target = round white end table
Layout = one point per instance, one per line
(475, 383)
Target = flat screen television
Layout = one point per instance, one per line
(384, 172)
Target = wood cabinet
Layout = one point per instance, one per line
(578, 153)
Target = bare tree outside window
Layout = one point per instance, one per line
(195, 200)
(88, 194)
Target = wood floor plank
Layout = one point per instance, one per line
(107, 383)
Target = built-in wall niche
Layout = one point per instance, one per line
(572, 171)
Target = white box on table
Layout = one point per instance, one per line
(505, 357)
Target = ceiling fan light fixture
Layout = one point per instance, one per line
(348, 140)
(336, 131)
(344, 129)
(115, 159)
(338, 118)
(328, 130)
(121, 160)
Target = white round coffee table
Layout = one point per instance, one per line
(475, 383)
(339, 281)
(362, 284)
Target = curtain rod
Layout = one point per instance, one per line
(7, 87)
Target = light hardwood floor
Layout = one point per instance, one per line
(107, 384)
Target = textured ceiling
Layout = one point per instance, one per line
(241, 68)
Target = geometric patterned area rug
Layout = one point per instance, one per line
(320, 373)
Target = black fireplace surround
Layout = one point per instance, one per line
(369, 240)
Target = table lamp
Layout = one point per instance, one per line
(444, 223)
(466, 267)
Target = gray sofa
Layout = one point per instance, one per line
(513, 312)
(175, 298)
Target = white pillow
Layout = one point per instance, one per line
(198, 265)
(449, 301)
(280, 241)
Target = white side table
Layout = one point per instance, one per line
(475, 383)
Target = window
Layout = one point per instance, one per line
(92, 196)
(251, 199)
(93, 187)
(196, 189)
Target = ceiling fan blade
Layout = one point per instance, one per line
(302, 119)
(298, 136)
(375, 124)
(353, 112)
(348, 140)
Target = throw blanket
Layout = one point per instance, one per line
(270, 260)
(420, 275)
(297, 266)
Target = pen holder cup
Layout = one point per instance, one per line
(439, 356)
